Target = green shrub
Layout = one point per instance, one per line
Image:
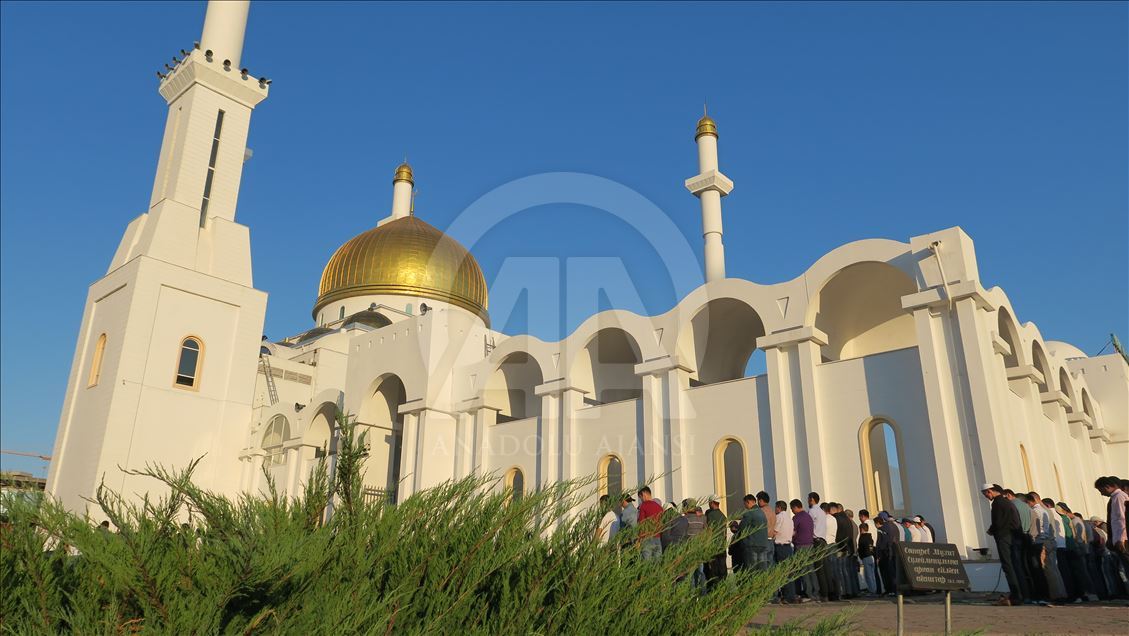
(461, 557)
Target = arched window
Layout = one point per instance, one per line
(611, 476)
(515, 483)
(96, 361)
(264, 351)
(1008, 333)
(1064, 386)
(884, 469)
(341, 315)
(1026, 468)
(277, 432)
(729, 475)
(1087, 408)
(188, 367)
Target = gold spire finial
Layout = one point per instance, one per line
(706, 125)
(403, 173)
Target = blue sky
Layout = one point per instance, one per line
(838, 122)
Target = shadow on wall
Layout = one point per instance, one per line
(896, 396)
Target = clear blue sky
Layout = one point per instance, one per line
(838, 122)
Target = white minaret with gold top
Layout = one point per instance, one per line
(165, 365)
(402, 184)
(709, 186)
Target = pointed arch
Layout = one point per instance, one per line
(511, 387)
(884, 467)
(730, 474)
(1066, 386)
(275, 434)
(860, 310)
(720, 339)
(383, 427)
(1009, 333)
(515, 484)
(605, 367)
(1039, 361)
(610, 474)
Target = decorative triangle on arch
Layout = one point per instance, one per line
(658, 336)
(556, 360)
(782, 303)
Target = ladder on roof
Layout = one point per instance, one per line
(272, 390)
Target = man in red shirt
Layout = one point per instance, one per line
(650, 525)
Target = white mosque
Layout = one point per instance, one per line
(895, 380)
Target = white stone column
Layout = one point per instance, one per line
(943, 382)
(471, 435)
(799, 455)
(973, 311)
(550, 459)
(664, 431)
(558, 428)
(409, 456)
(293, 465)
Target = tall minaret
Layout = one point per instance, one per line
(402, 184)
(709, 186)
(165, 365)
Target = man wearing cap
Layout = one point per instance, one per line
(715, 522)
(885, 552)
(1005, 521)
(909, 531)
(926, 535)
(628, 514)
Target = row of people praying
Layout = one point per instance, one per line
(860, 562)
(1052, 554)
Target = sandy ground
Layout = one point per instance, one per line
(971, 614)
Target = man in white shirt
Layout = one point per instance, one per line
(782, 547)
(926, 536)
(819, 532)
(609, 523)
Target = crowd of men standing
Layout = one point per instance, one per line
(1051, 554)
(1048, 553)
(858, 561)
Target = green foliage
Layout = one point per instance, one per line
(461, 557)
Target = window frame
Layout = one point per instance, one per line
(275, 454)
(873, 496)
(197, 371)
(721, 484)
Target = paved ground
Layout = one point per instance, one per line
(971, 614)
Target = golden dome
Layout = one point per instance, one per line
(403, 173)
(405, 257)
(706, 126)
